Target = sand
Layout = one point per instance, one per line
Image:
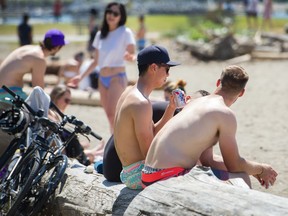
(261, 113)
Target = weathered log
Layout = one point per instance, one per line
(280, 38)
(220, 48)
(197, 193)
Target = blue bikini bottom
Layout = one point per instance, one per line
(105, 80)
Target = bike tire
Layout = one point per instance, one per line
(28, 169)
(50, 175)
(7, 155)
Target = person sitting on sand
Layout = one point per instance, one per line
(61, 97)
(189, 137)
(71, 68)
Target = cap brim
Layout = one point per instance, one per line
(171, 63)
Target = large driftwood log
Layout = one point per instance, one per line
(197, 193)
(220, 48)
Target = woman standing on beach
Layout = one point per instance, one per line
(114, 44)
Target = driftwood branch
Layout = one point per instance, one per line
(197, 193)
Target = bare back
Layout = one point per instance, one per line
(186, 136)
(26, 59)
(133, 131)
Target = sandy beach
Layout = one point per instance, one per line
(262, 111)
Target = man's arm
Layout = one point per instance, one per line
(168, 114)
(232, 159)
(130, 53)
(209, 159)
(143, 126)
(38, 73)
(74, 81)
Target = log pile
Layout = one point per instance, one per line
(226, 47)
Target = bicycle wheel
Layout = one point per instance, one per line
(20, 182)
(6, 157)
(44, 186)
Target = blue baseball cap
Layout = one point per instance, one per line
(56, 36)
(155, 54)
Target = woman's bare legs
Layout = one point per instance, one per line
(109, 97)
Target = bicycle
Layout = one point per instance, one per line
(40, 156)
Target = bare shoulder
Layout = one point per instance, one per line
(134, 101)
(218, 108)
(32, 53)
(226, 117)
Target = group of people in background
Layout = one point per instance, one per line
(251, 8)
(145, 149)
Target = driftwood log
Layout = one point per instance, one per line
(282, 39)
(197, 193)
(220, 48)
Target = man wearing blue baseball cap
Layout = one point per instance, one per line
(134, 128)
(29, 59)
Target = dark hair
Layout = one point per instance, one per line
(79, 56)
(25, 17)
(203, 92)
(142, 69)
(233, 79)
(93, 12)
(141, 17)
(123, 18)
(47, 44)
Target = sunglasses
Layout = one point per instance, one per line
(167, 67)
(114, 13)
(67, 100)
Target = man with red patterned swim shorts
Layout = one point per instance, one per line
(188, 138)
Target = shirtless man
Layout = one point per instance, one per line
(134, 128)
(192, 133)
(23, 60)
(29, 59)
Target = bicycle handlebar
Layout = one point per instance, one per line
(81, 126)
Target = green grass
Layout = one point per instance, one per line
(166, 25)
(161, 23)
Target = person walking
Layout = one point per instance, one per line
(141, 40)
(267, 14)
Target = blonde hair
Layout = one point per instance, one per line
(170, 86)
